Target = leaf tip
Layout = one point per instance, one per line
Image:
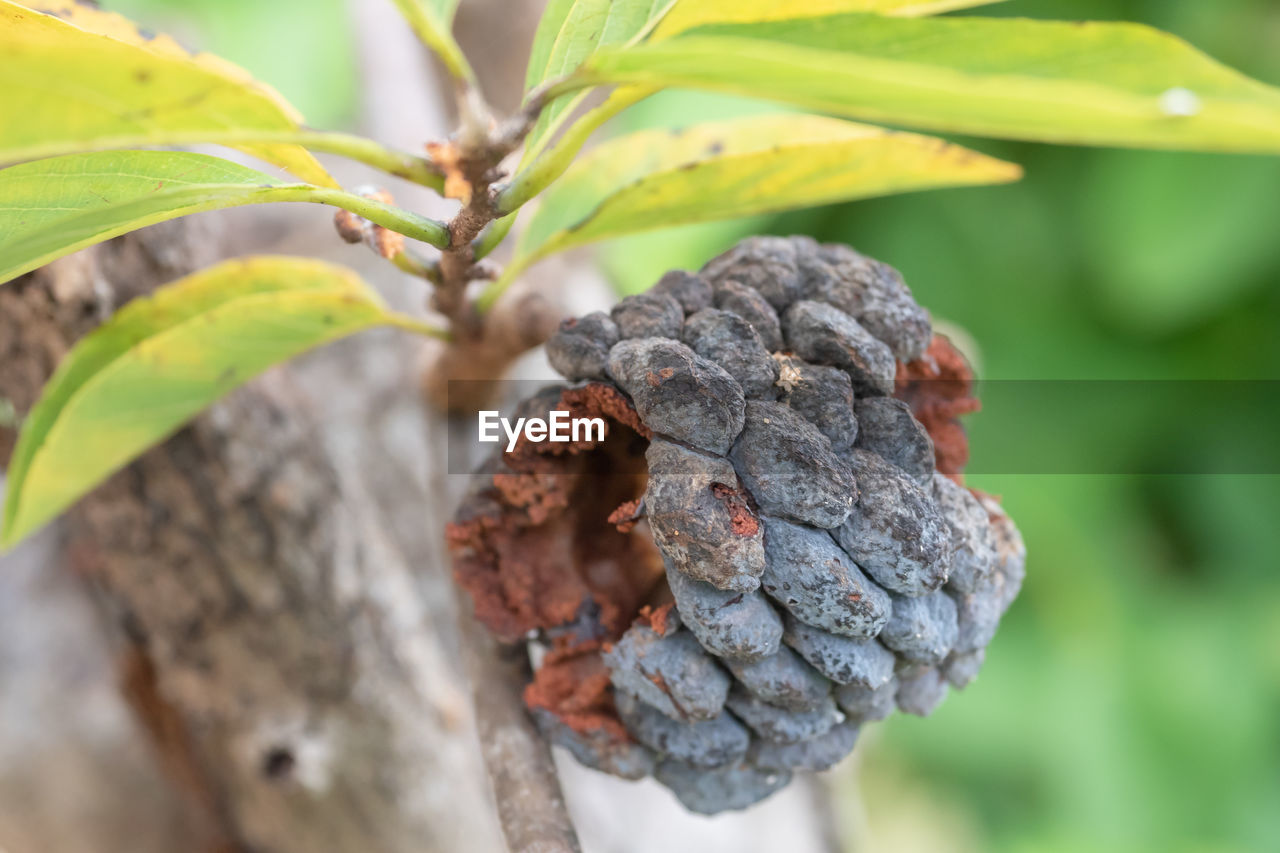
(14, 525)
(10, 535)
(1009, 172)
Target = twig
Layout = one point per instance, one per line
(471, 164)
(401, 221)
(458, 258)
(526, 788)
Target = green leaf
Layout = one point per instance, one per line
(93, 81)
(160, 360)
(569, 32)
(658, 178)
(1090, 83)
(541, 165)
(432, 20)
(53, 207)
(688, 14)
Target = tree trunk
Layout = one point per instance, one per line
(277, 642)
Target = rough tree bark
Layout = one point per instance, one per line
(77, 773)
(285, 632)
(277, 644)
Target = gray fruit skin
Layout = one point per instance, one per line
(726, 788)
(824, 397)
(819, 332)
(921, 690)
(889, 430)
(779, 725)
(740, 625)
(597, 750)
(692, 291)
(692, 527)
(781, 356)
(1011, 551)
(961, 669)
(895, 533)
(973, 543)
(580, 349)
(648, 315)
(864, 704)
(672, 673)
(678, 393)
(706, 743)
(923, 629)
(872, 292)
(844, 660)
(748, 304)
(819, 753)
(731, 342)
(978, 614)
(808, 574)
(782, 679)
(768, 265)
(789, 468)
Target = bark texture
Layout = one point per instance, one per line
(277, 646)
(285, 630)
(77, 774)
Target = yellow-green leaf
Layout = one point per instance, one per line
(162, 359)
(1090, 83)
(571, 29)
(658, 178)
(50, 208)
(432, 20)
(568, 33)
(541, 166)
(93, 81)
(688, 14)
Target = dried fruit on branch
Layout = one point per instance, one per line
(763, 553)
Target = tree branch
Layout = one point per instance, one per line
(531, 807)
(471, 164)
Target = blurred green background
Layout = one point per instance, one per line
(1132, 698)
